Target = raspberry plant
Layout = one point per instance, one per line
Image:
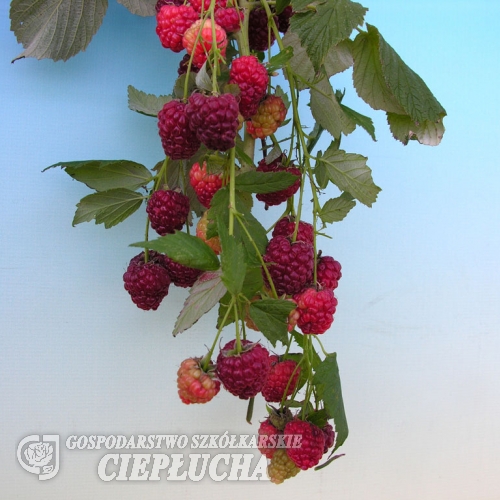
(234, 138)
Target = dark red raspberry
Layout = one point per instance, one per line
(204, 183)
(268, 438)
(177, 139)
(252, 79)
(316, 310)
(196, 385)
(183, 66)
(269, 116)
(147, 282)
(245, 373)
(290, 265)
(282, 377)
(168, 210)
(278, 196)
(214, 119)
(328, 272)
(309, 447)
(198, 5)
(284, 19)
(197, 40)
(161, 3)
(230, 19)
(286, 227)
(172, 22)
(329, 437)
(259, 32)
(182, 276)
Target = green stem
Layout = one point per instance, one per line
(232, 189)
(250, 410)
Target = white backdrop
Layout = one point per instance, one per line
(416, 330)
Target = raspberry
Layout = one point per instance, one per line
(329, 437)
(204, 183)
(290, 264)
(196, 385)
(282, 377)
(316, 310)
(178, 141)
(147, 282)
(281, 467)
(286, 227)
(167, 210)
(284, 19)
(205, 4)
(309, 452)
(230, 19)
(268, 438)
(269, 116)
(245, 373)
(180, 275)
(259, 33)
(183, 66)
(201, 232)
(328, 272)
(214, 119)
(252, 79)
(203, 46)
(278, 197)
(161, 3)
(172, 22)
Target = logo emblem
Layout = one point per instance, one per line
(40, 455)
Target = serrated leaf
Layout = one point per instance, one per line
(55, 29)
(339, 58)
(203, 296)
(280, 59)
(108, 207)
(328, 24)
(185, 249)
(361, 120)
(271, 318)
(264, 182)
(178, 91)
(335, 209)
(349, 172)
(404, 129)
(140, 7)
(103, 175)
(327, 381)
(146, 104)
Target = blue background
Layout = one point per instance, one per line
(417, 327)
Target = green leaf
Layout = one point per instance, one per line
(361, 120)
(281, 5)
(55, 29)
(203, 296)
(339, 58)
(349, 172)
(146, 104)
(264, 182)
(185, 249)
(327, 381)
(280, 59)
(271, 318)
(404, 129)
(299, 339)
(140, 7)
(203, 79)
(178, 91)
(108, 207)
(335, 209)
(324, 26)
(103, 175)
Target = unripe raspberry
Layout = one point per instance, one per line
(194, 384)
(270, 115)
(168, 210)
(316, 310)
(230, 19)
(268, 438)
(201, 232)
(312, 442)
(283, 376)
(243, 374)
(172, 22)
(203, 47)
(178, 140)
(204, 183)
(259, 32)
(252, 79)
(182, 276)
(286, 227)
(328, 272)
(281, 467)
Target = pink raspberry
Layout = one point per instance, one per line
(328, 272)
(180, 275)
(177, 139)
(214, 119)
(290, 265)
(270, 115)
(268, 438)
(259, 32)
(252, 79)
(230, 19)
(204, 183)
(286, 227)
(243, 374)
(316, 309)
(278, 197)
(283, 376)
(172, 22)
(198, 5)
(312, 443)
(194, 384)
(168, 210)
(202, 45)
(147, 282)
